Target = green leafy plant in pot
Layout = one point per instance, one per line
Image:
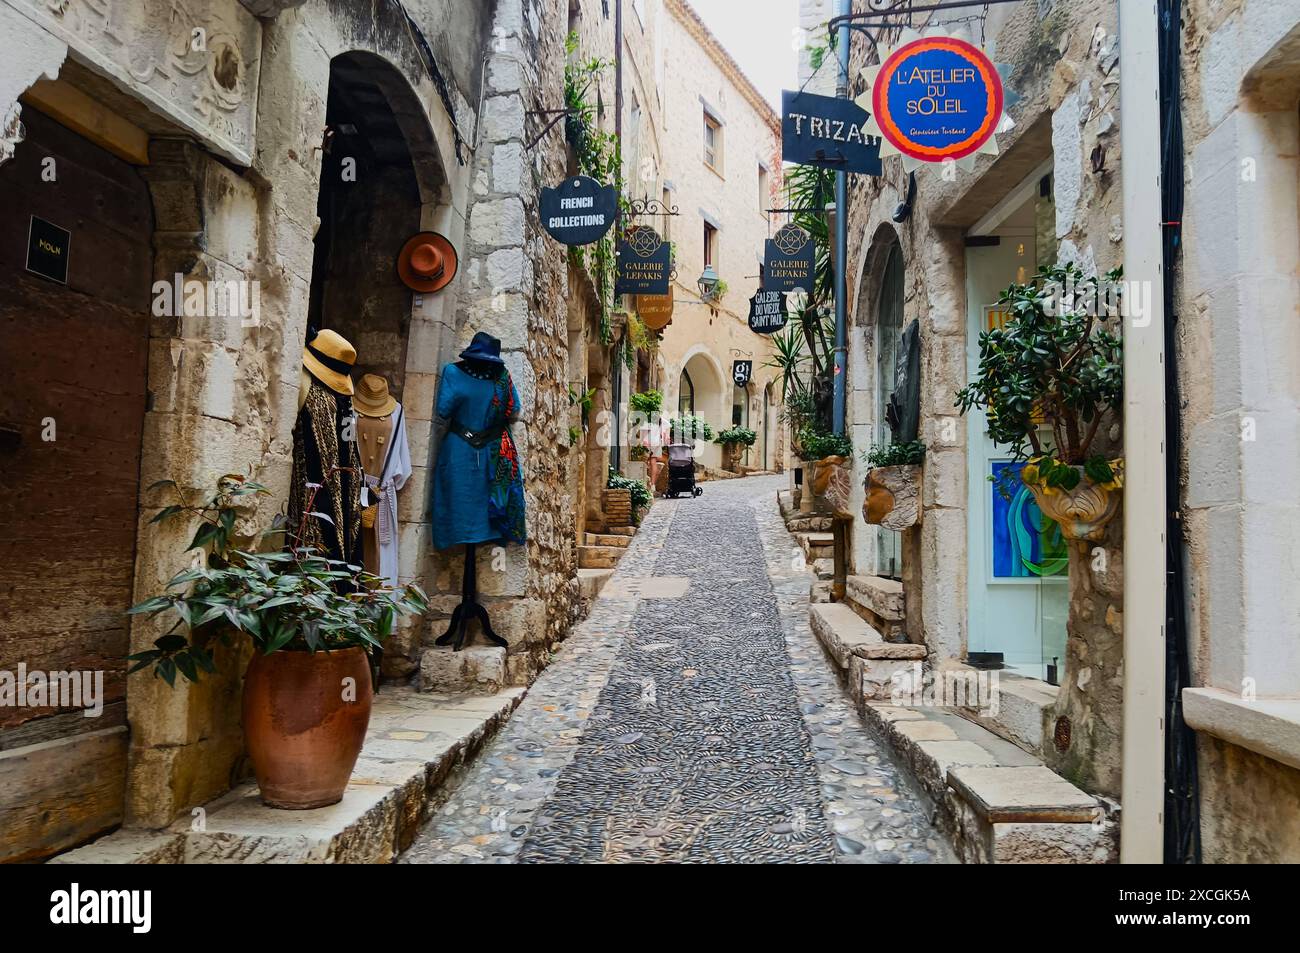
(734, 440)
(312, 620)
(893, 485)
(1048, 380)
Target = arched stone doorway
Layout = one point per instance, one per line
(701, 378)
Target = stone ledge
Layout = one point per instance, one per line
(592, 581)
(845, 634)
(476, 668)
(1027, 794)
(1023, 704)
(414, 742)
(884, 597)
(1267, 726)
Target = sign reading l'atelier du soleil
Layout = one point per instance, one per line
(829, 132)
(644, 263)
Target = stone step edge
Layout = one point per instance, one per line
(844, 633)
(383, 830)
(980, 834)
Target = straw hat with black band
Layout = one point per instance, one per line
(330, 358)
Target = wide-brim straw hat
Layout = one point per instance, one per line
(372, 398)
(427, 262)
(329, 358)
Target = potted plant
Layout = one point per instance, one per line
(893, 485)
(625, 496)
(733, 441)
(1048, 380)
(831, 473)
(307, 691)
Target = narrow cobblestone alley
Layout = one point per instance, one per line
(692, 717)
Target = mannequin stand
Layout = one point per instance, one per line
(469, 605)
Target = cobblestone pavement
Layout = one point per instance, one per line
(692, 717)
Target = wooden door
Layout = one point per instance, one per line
(73, 366)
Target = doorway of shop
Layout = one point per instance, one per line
(1018, 562)
(73, 395)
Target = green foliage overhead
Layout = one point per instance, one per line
(646, 402)
(689, 428)
(1054, 365)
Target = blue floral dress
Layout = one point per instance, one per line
(478, 494)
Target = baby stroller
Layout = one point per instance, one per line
(681, 471)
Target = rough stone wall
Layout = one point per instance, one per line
(515, 289)
(1238, 351)
(1065, 69)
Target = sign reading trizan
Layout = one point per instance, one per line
(767, 313)
(644, 263)
(937, 98)
(580, 211)
(829, 132)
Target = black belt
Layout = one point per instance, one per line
(478, 439)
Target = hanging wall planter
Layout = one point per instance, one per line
(1082, 505)
(893, 497)
(832, 485)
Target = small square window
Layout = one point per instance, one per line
(712, 143)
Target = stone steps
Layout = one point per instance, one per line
(599, 557)
(998, 802)
(880, 601)
(592, 581)
(413, 744)
(607, 539)
(817, 545)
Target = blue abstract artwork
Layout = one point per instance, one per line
(1026, 544)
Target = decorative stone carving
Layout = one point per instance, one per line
(194, 62)
(893, 497)
(1082, 513)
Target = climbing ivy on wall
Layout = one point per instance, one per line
(600, 157)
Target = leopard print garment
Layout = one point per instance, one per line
(316, 440)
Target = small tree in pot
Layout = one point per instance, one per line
(1049, 379)
(733, 440)
(308, 691)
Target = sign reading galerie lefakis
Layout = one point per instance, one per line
(644, 263)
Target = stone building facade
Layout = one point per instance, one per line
(1052, 194)
(175, 139)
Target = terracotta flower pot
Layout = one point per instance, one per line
(304, 724)
(893, 497)
(1082, 513)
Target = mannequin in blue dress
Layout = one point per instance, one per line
(477, 485)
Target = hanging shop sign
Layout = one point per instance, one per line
(655, 311)
(742, 372)
(934, 99)
(789, 260)
(829, 132)
(579, 211)
(767, 312)
(644, 263)
(48, 247)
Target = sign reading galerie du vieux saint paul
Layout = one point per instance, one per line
(767, 312)
(829, 132)
(579, 211)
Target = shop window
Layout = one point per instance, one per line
(686, 396)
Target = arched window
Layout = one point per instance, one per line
(686, 395)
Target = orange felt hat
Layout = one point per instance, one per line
(427, 262)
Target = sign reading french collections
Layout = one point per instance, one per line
(935, 98)
(644, 263)
(789, 260)
(829, 132)
(579, 211)
(767, 312)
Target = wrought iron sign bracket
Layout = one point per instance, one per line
(650, 208)
(555, 114)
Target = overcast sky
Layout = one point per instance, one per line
(759, 35)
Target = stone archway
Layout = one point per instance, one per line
(711, 399)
